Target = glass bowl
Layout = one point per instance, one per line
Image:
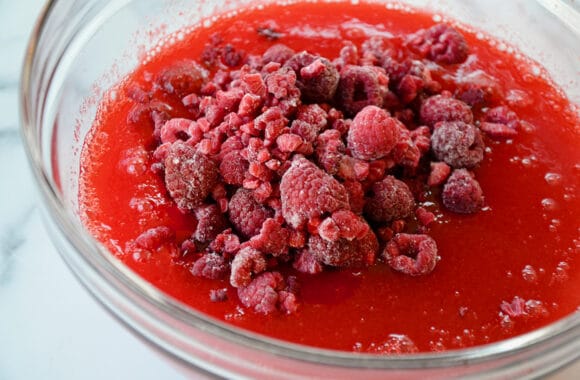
(81, 48)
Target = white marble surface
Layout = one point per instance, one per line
(50, 328)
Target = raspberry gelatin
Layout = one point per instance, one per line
(401, 175)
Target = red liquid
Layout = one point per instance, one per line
(519, 246)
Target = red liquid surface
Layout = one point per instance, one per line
(525, 243)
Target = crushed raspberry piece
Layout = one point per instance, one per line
(424, 217)
(218, 295)
(247, 263)
(306, 263)
(421, 138)
(330, 150)
(306, 192)
(287, 301)
(356, 196)
(182, 78)
(390, 199)
(360, 86)
(233, 168)
(373, 133)
(155, 237)
(226, 243)
(278, 53)
(458, 144)
(310, 120)
(317, 78)
(210, 265)
(175, 129)
(497, 131)
(282, 83)
(350, 226)
(343, 252)
(443, 107)
(515, 308)
(264, 294)
(440, 171)
(500, 122)
(210, 222)
(134, 161)
(440, 43)
(289, 142)
(247, 215)
(415, 255)
(462, 193)
(189, 176)
(272, 239)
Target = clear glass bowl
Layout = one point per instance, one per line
(81, 48)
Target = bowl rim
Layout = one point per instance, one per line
(102, 263)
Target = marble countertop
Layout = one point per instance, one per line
(50, 327)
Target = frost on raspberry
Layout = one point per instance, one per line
(267, 294)
(443, 107)
(272, 239)
(361, 86)
(247, 215)
(307, 192)
(182, 78)
(410, 254)
(373, 133)
(210, 265)
(155, 237)
(247, 263)
(278, 53)
(440, 43)
(343, 252)
(317, 78)
(210, 222)
(233, 168)
(458, 144)
(189, 175)
(462, 193)
(310, 121)
(389, 199)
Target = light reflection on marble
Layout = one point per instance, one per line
(50, 328)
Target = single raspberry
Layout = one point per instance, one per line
(373, 133)
(233, 168)
(182, 78)
(440, 43)
(210, 222)
(266, 294)
(389, 199)
(272, 239)
(279, 53)
(343, 252)
(175, 129)
(247, 263)
(210, 265)
(306, 263)
(360, 86)
(307, 192)
(443, 107)
(189, 176)
(458, 144)
(462, 193)
(414, 255)
(317, 78)
(247, 215)
(155, 237)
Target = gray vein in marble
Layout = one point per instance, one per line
(11, 239)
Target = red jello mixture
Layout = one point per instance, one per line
(352, 177)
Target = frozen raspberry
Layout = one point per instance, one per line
(247, 263)
(266, 294)
(210, 222)
(182, 78)
(247, 215)
(373, 133)
(272, 239)
(155, 237)
(462, 193)
(189, 176)
(317, 78)
(390, 199)
(279, 53)
(424, 217)
(440, 43)
(440, 171)
(356, 196)
(175, 129)
(458, 144)
(225, 243)
(500, 122)
(329, 150)
(306, 263)
(306, 192)
(282, 83)
(233, 168)
(343, 252)
(310, 121)
(343, 224)
(210, 265)
(414, 255)
(444, 108)
(360, 86)
(289, 142)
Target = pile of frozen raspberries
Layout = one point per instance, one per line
(291, 158)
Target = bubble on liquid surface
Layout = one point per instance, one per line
(553, 179)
